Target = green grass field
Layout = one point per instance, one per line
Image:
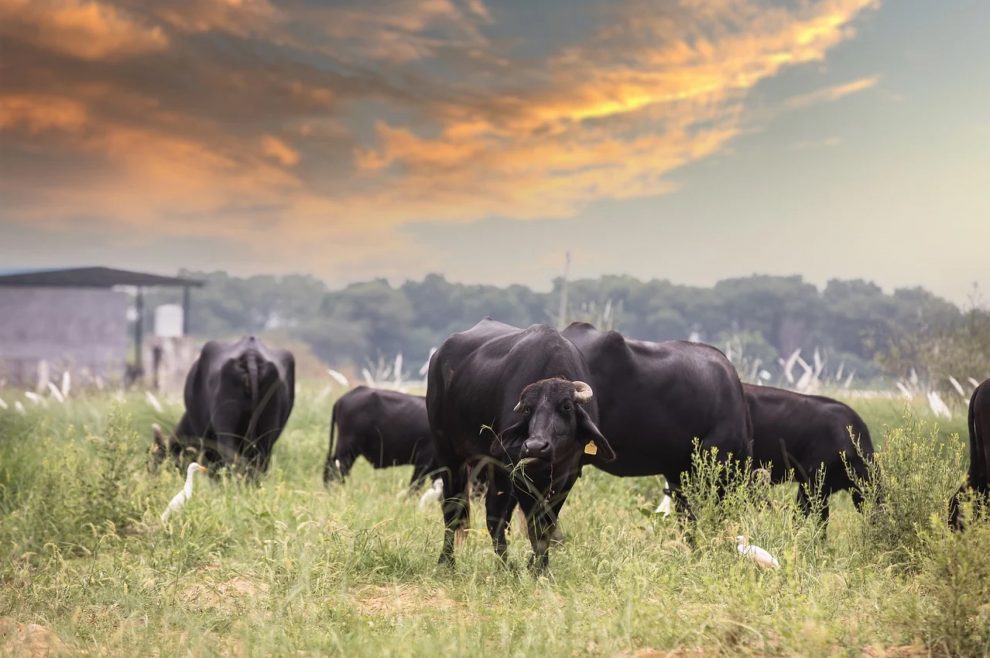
(289, 568)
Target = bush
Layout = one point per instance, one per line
(75, 492)
(910, 480)
(726, 499)
(955, 581)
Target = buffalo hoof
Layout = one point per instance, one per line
(539, 565)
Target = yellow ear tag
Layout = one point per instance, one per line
(591, 448)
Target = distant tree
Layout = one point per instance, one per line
(851, 322)
(381, 311)
(960, 350)
(782, 309)
(857, 316)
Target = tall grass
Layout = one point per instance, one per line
(287, 567)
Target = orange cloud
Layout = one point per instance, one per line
(86, 29)
(235, 117)
(39, 114)
(238, 17)
(829, 94)
(279, 150)
(406, 31)
(616, 114)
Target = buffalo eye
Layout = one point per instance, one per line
(567, 406)
(526, 411)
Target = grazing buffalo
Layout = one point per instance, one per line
(238, 398)
(387, 428)
(805, 433)
(516, 401)
(979, 453)
(655, 399)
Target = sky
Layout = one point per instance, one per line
(689, 140)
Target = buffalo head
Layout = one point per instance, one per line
(555, 426)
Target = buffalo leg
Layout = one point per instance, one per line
(541, 523)
(173, 444)
(859, 500)
(228, 438)
(159, 448)
(955, 520)
(455, 510)
(343, 464)
(340, 461)
(500, 500)
(807, 500)
(330, 471)
(265, 444)
(419, 475)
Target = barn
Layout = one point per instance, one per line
(76, 319)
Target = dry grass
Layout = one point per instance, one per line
(289, 568)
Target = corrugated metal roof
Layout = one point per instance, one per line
(89, 277)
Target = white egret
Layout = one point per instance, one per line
(434, 493)
(180, 498)
(756, 554)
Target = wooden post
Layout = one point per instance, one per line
(562, 313)
(139, 333)
(185, 310)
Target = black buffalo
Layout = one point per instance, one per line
(387, 428)
(806, 433)
(517, 400)
(238, 398)
(979, 453)
(655, 399)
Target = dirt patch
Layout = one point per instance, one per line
(28, 640)
(902, 651)
(664, 653)
(402, 600)
(227, 595)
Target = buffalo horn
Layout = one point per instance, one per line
(582, 392)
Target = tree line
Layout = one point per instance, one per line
(760, 319)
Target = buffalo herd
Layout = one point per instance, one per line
(518, 413)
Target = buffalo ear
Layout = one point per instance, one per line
(587, 430)
(509, 435)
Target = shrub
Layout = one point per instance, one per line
(955, 581)
(910, 479)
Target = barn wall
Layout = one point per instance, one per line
(83, 329)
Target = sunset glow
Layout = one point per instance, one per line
(324, 137)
